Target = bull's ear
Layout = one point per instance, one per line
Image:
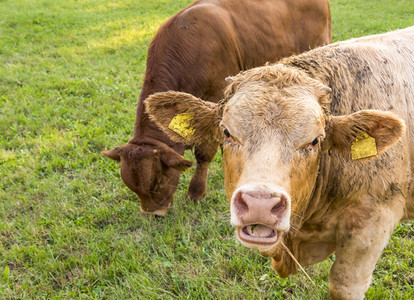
(356, 133)
(113, 153)
(173, 160)
(323, 93)
(184, 118)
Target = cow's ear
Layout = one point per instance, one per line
(113, 153)
(173, 160)
(184, 118)
(323, 92)
(365, 133)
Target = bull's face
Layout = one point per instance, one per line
(274, 130)
(152, 172)
(271, 150)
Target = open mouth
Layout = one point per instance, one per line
(257, 234)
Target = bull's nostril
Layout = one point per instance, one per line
(280, 206)
(241, 204)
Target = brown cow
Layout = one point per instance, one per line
(316, 154)
(193, 52)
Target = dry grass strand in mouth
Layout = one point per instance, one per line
(296, 261)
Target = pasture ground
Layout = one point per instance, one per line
(70, 76)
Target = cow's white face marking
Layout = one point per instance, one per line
(271, 146)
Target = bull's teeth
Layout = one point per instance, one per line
(259, 231)
(261, 237)
(250, 229)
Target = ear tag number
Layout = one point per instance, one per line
(363, 146)
(182, 124)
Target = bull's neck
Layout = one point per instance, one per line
(143, 124)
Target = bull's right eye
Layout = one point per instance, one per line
(313, 146)
(228, 138)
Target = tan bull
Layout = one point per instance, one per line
(318, 153)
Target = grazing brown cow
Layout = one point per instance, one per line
(193, 52)
(316, 154)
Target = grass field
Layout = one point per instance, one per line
(70, 76)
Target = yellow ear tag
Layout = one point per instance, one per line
(363, 146)
(183, 125)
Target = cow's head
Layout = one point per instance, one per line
(151, 169)
(274, 124)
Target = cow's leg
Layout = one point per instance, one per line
(204, 154)
(359, 245)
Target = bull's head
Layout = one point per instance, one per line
(151, 169)
(274, 125)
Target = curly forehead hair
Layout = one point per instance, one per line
(277, 75)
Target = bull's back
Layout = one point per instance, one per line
(380, 70)
(210, 40)
(272, 29)
(396, 69)
(401, 54)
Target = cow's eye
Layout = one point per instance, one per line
(313, 145)
(228, 138)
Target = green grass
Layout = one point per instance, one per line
(70, 76)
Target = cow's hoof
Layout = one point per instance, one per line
(196, 194)
(159, 213)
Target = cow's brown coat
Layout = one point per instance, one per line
(337, 204)
(193, 52)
